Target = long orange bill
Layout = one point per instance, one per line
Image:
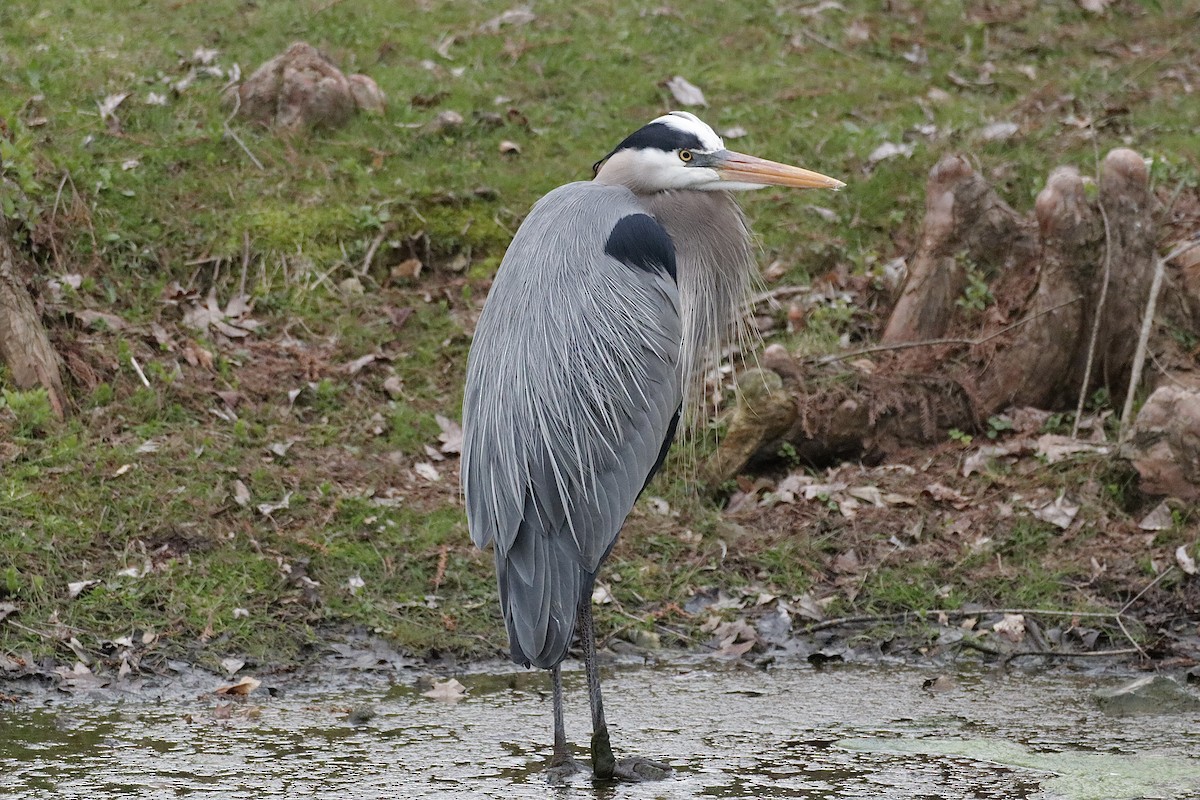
(751, 169)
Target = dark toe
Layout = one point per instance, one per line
(641, 769)
(562, 770)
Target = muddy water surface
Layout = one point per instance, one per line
(729, 732)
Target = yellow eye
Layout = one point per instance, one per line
(685, 156)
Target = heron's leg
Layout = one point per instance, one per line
(562, 765)
(603, 763)
(604, 766)
(561, 753)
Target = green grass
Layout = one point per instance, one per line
(170, 198)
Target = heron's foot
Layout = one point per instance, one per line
(562, 768)
(637, 770)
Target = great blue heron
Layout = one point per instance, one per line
(610, 301)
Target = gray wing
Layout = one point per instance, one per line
(572, 393)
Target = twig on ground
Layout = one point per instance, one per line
(1127, 651)
(138, 369)
(27, 629)
(1170, 568)
(1139, 355)
(1129, 636)
(958, 613)
(245, 262)
(935, 342)
(1100, 303)
(370, 256)
(779, 293)
(821, 40)
(237, 104)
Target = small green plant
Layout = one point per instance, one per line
(961, 437)
(977, 294)
(1099, 399)
(1186, 338)
(19, 187)
(31, 409)
(1058, 422)
(787, 452)
(372, 217)
(998, 424)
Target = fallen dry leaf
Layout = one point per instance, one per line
(1160, 519)
(894, 499)
(110, 321)
(240, 689)
(241, 495)
(110, 103)
(685, 92)
(848, 507)
(1055, 448)
(980, 458)
(808, 607)
(448, 691)
(76, 588)
(847, 562)
(1012, 627)
(659, 506)
(232, 321)
(857, 32)
(280, 449)
(944, 494)
(1060, 512)
(891, 150)
(735, 638)
(232, 665)
(942, 683)
(451, 436)
(79, 678)
(409, 269)
(999, 131)
(868, 494)
(427, 471)
(356, 366)
(1184, 560)
(394, 386)
(602, 595)
(267, 509)
(514, 17)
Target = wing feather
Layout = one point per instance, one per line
(572, 384)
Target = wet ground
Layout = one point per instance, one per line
(728, 730)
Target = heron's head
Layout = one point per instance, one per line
(679, 151)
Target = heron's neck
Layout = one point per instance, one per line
(716, 272)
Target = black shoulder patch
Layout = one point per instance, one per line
(638, 241)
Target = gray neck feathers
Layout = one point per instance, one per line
(716, 273)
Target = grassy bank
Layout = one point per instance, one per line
(216, 494)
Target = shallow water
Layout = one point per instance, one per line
(732, 731)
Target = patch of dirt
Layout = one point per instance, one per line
(915, 542)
